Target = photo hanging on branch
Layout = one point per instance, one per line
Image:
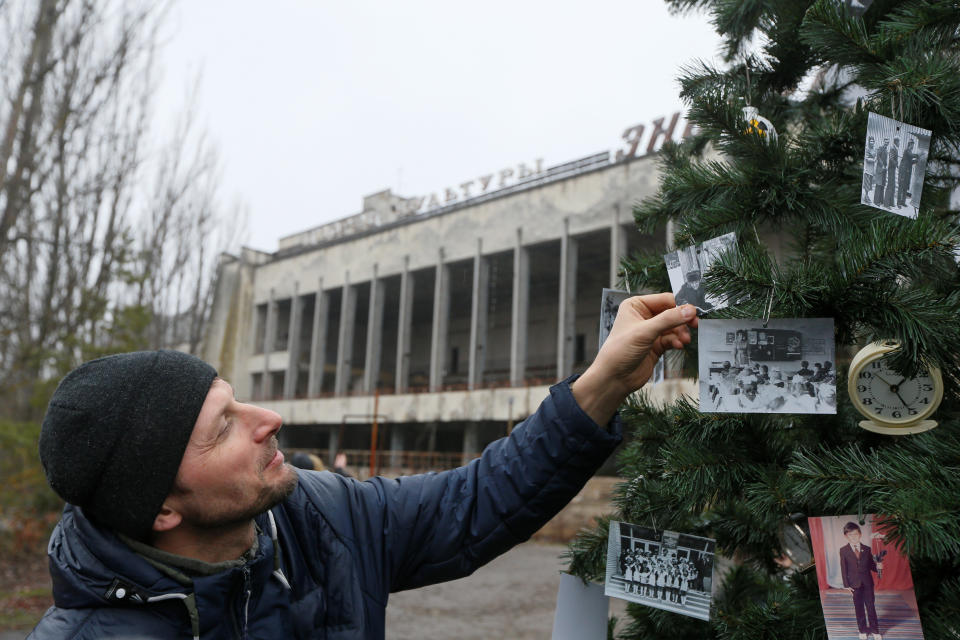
(894, 165)
(610, 301)
(785, 367)
(687, 266)
(662, 569)
(865, 582)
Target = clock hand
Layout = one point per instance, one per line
(901, 397)
(882, 380)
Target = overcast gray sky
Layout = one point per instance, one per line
(315, 104)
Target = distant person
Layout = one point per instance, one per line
(302, 461)
(340, 465)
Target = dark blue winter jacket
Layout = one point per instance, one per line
(329, 555)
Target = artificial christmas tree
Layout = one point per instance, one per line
(808, 246)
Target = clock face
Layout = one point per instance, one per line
(887, 396)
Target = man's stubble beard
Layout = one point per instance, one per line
(222, 518)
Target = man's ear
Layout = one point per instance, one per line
(168, 518)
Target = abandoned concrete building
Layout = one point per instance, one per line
(422, 335)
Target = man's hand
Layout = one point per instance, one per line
(850, 589)
(645, 328)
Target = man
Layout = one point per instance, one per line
(856, 565)
(692, 293)
(183, 520)
(869, 163)
(905, 175)
(805, 370)
(893, 161)
(880, 173)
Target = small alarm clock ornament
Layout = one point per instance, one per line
(893, 404)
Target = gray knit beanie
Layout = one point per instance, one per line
(115, 432)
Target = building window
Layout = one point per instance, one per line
(260, 328)
(580, 349)
(281, 336)
(256, 386)
(277, 379)
(454, 359)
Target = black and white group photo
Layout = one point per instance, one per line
(661, 569)
(785, 367)
(687, 266)
(894, 164)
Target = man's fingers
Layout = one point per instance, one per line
(671, 319)
(652, 303)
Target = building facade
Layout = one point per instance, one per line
(434, 330)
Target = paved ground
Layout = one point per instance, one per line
(512, 598)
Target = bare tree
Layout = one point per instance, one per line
(92, 259)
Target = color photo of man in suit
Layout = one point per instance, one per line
(877, 583)
(857, 567)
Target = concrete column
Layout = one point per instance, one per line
(318, 343)
(371, 373)
(567, 302)
(471, 441)
(396, 444)
(618, 246)
(404, 324)
(293, 345)
(269, 338)
(521, 305)
(441, 317)
(348, 316)
(478, 317)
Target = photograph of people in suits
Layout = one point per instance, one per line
(866, 589)
(894, 168)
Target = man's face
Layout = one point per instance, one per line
(231, 470)
(853, 537)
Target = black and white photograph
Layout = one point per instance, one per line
(609, 305)
(687, 266)
(661, 569)
(856, 7)
(894, 165)
(786, 367)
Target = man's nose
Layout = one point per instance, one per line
(266, 423)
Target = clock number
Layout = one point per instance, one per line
(896, 414)
(879, 410)
(867, 401)
(924, 400)
(927, 387)
(862, 388)
(865, 374)
(912, 411)
(875, 364)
